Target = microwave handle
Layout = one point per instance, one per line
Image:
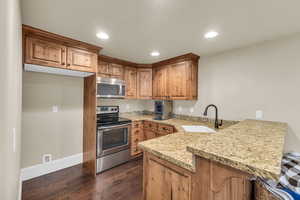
(121, 89)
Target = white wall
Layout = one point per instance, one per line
(43, 131)
(263, 77)
(10, 98)
(128, 105)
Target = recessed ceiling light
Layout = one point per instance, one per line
(155, 53)
(211, 34)
(102, 36)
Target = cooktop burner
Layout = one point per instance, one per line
(109, 116)
(113, 121)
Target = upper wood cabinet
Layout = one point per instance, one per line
(130, 76)
(104, 68)
(172, 79)
(110, 70)
(82, 60)
(117, 71)
(160, 82)
(43, 52)
(144, 83)
(52, 50)
(176, 78)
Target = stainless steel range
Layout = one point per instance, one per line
(113, 138)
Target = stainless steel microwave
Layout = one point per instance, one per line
(110, 88)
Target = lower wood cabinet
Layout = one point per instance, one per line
(211, 181)
(165, 182)
(146, 130)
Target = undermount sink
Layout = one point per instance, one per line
(198, 129)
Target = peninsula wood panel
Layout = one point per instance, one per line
(221, 182)
(210, 181)
(163, 181)
(130, 76)
(43, 52)
(144, 83)
(89, 125)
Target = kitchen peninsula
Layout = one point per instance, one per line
(189, 166)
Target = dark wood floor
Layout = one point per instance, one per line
(120, 183)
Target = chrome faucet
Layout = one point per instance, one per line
(217, 124)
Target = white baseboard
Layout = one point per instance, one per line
(55, 165)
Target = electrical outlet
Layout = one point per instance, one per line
(259, 114)
(192, 110)
(47, 158)
(55, 108)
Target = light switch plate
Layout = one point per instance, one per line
(55, 108)
(259, 114)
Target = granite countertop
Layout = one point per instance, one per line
(255, 147)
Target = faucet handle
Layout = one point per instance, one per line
(221, 123)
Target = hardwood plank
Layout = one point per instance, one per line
(120, 183)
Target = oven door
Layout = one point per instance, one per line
(110, 88)
(113, 139)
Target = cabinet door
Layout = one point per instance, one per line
(160, 89)
(82, 60)
(130, 76)
(148, 134)
(164, 183)
(104, 68)
(117, 71)
(180, 189)
(179, 80)
(144, 83)
(158, 185)
(136, 137)
(42, 52)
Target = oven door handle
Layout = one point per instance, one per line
(113, 127)
(99, 142)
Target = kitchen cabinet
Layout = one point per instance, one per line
(178, 81)
(42, 52)
(51, 50)
(210, 181)
(82, 60)
(160, 82)
(110, 70)
(176, 78)
(117, 71)
(162, 182)
(144, 83)
(130, 76)
(149, 134)
(146, 130)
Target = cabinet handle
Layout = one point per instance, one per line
(63, 63)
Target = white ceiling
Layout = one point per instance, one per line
(173, 27)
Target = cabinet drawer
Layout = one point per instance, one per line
(137, 125)
(165, 129)
(150, 126)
